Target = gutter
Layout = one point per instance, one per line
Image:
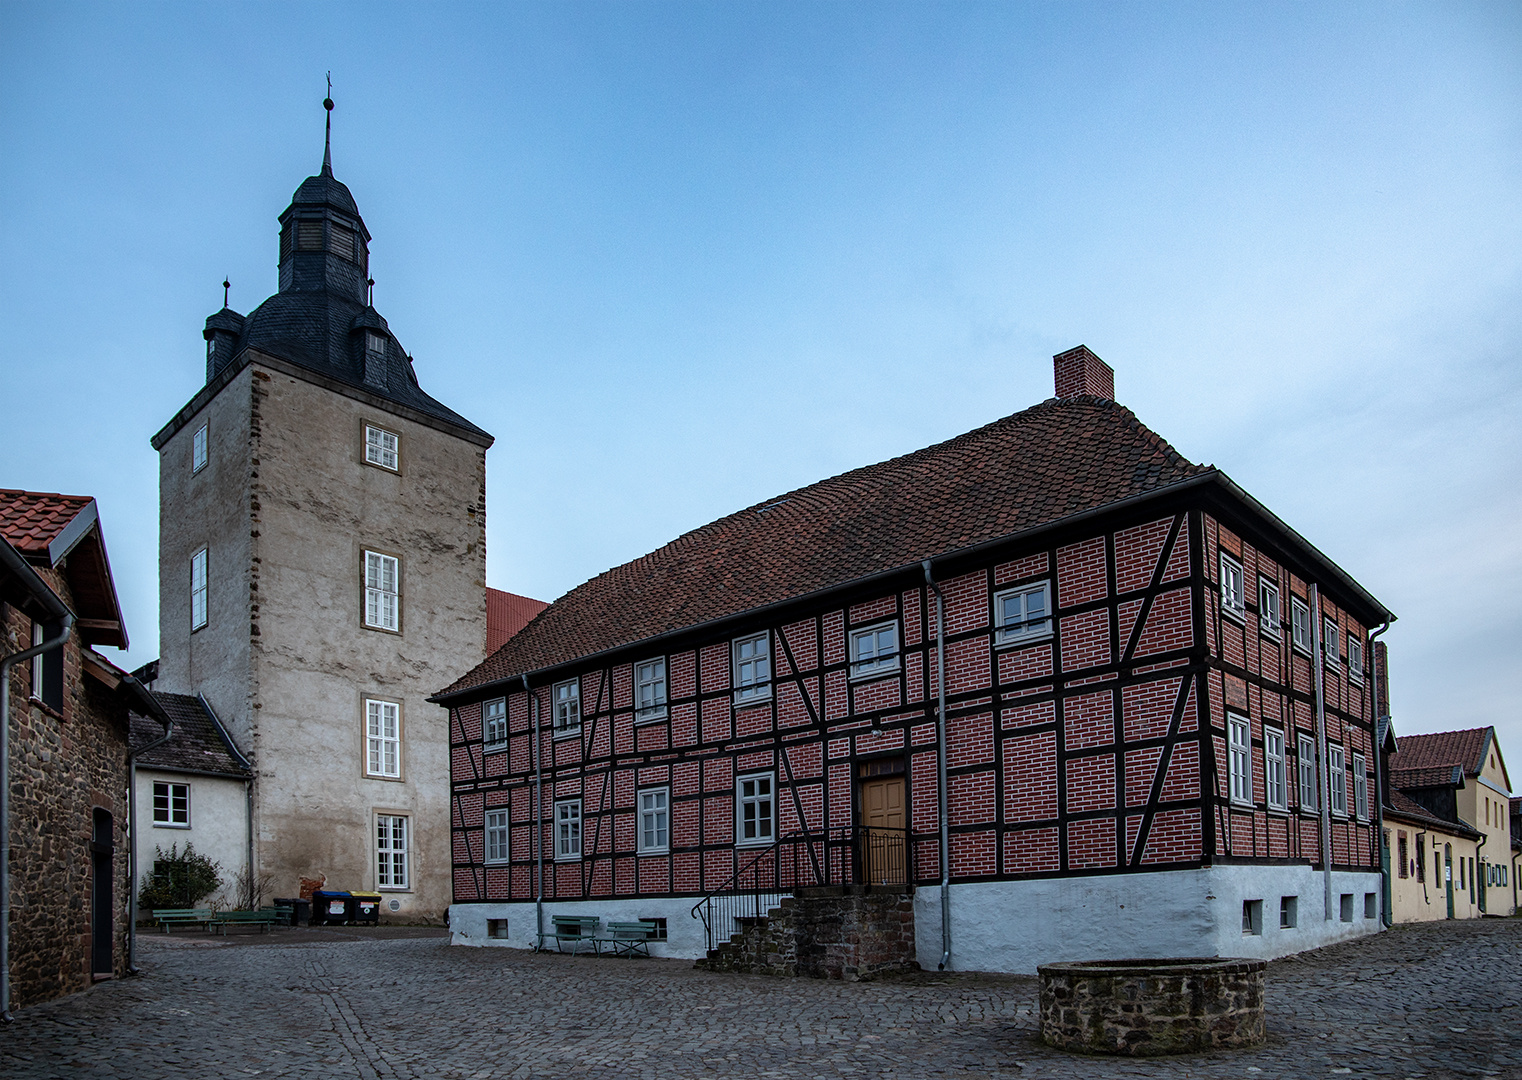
(48, 600)
(940, 755)
(1324, 773)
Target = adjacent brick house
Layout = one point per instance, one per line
(1157, 718)
(66, 822)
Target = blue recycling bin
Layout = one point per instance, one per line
(331, 908)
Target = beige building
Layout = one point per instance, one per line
(1448, 828)
(322, 569)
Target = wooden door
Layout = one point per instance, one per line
(102, 895)
(884, 857)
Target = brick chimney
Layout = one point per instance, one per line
(1079, 371)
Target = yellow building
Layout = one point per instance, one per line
(1448, 828)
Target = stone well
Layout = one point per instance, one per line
(1145, 1007)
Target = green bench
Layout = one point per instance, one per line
(264, 919)
(577, 930)
(629, 938)
(169, 918)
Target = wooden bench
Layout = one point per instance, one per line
(579, 930)
(629, 938)
(264, 920)
(172, 917)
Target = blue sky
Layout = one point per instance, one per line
(681, 257)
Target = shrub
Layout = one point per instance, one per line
(179, 879)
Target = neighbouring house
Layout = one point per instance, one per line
(322, 558)
(1451, 822)
(65, 753)
(1155, 734)
(194, 789)
(506, 614)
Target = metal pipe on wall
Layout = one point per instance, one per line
(1324, 773)
(533, 705)
(940, 745)
(1371, 675)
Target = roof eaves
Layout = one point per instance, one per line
(40, 602)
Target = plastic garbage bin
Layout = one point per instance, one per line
(301, 910)
(366, 907)
(330, 907)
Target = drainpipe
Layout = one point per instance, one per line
(940, 747)
(67, 618)
(1421, 853)
(533, 704)
(132, 756)
(1379, 772)
(1324, 773)
(248, 797)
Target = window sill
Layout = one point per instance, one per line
(1001, 641)
(1243, 804)
(755, 843)
(497, 862)
(567, 858)
(653, 851)
(752, 699)
(382, 629)
(1279, 811)
(568, 733)
(394, 888)
(494, 748)
(1269, 635)
(394, 470)
(651, 717)
(166, 825)
(875, 673)
(1236, 615)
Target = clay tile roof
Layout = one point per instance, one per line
(197, 743)
(1465, 748)
(1401, 806)
(1429, 776)
(31, 520)
(506, 614)
(1038, 466)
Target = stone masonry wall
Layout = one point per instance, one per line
(832, 933)
(63, 766)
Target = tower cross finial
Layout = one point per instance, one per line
(327, 138)
(226, 285)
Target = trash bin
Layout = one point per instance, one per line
(365, 908)
(301, 910)
(330, 908)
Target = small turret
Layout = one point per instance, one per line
(223, 329)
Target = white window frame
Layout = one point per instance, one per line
(654, 821)
(382, 448)
(1305, 768)
(1239, 758)
(1022, 628)
(567, 830)
(198, 588)
(383, 739)
(1275, 772)
(1233, 588)
(392, 857)
(494, 725)
(565, 700)
(383, 591)
(754, 791)
(650, 690)
(171, 810)
(752, 670)
(39, 635)
(871, 654)
(1355, 658)
(198, 449)
(1331, 648)
(1337, 779)
(1300, 624)
(1269, 612)
(496, 845)
(1360, 787)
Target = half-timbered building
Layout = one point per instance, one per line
(1154, 734)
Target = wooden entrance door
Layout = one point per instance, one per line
(102, 895)
(884, 856)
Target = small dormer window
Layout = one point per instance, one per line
(374, 342)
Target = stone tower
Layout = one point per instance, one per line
(322, 562)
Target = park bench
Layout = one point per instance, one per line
(629, 938)
(264, 920)
(578, 930)
(169, 918)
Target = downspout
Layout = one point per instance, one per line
(533, 704)
(5, 798)
(132, 756)
(1324, 773)
(1379, 787)
(940, 748)
(1479, 879)
(1421, 853)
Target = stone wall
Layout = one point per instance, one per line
(833, 933)
(1148, 1007)
(64, 765)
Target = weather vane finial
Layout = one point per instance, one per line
(226, 285)
(327, 139)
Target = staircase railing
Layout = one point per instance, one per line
(852, 855)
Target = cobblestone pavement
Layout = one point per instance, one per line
(1436, 1001)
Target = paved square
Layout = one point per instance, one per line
(1436, 1001)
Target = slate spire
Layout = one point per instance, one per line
(327, 137)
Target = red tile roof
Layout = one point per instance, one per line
(31, 520)
(1038, 466)
(1466, 748)
(506, 614)
(1428, 776)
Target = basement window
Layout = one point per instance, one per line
(1252, 917)
(1289, 912)
(1345, 907)
(496, 928)
(1370, 905)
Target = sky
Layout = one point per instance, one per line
(682, 257)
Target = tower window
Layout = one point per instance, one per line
(342, 241)
(198, 590)
(198, 449)
(381, 447)
(382, 592)
(374, 342)
(309, 236)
